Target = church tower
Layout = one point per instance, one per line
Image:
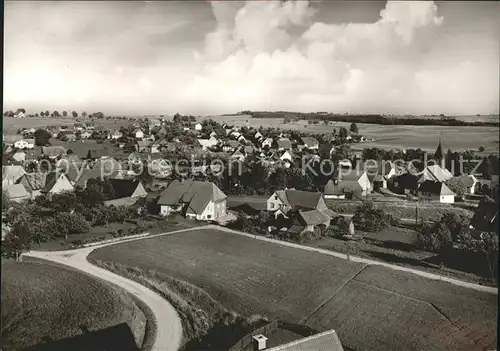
(439, 154)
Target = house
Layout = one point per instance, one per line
(310, 143)
(436, 191)
(198, 127)
(16, 192)
(348, 182)
(213, 134)
(230, 146)
(45, 183)
(138, 133)
(332, 191)
(12, 139)
(53, 151)
(25, 144)
(309, 221)
(207, 143)
(284, 144)
(343, 224)
(68, 135)
(286, 155)
(142, 146)
(193, 199)
(85, 135)
(18, 156)
(126, 191)
(78, 126)
(469, 181)
(267, 142)
(257, 136)
(381, 174)
(116, 135)
(237, 155)
(435, 173)
(291, 199)
(154, 147)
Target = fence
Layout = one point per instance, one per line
(247, 339)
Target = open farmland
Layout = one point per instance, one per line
(370, 307)
(45, 301)
(387, 136)
(11, 125)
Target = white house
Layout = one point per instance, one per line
(193, 199)
(267, 142)
(138, 133)
(19, 156)
(198, 127)
(25, 144)
(291, 199)
(286, 155)
(207, 143)
(435, 191)
(116, 135)
(45, 183)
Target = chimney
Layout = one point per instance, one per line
(259, 342)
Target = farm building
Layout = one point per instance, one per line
(116, 135)
(198, 127)
(309, 221)
(469, 181)
(353, 181)
(207, 143)
(45, 183)
(193, 199)
(267, 142)
(435, 191)
(16, 192)
(127, 192)
(332, 191)
(138, 133)
(435, 173)
(11, 174)
(53, 151)
(310, 143)
(291, 199)
(284, 144)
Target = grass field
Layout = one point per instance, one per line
(384, 309)
(387, 136)
(45, 301)
(11, 125)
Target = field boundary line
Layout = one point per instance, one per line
(432, 276)
(305, 319)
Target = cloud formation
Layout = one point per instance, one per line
(273, 55)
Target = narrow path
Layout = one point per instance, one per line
(168, 323)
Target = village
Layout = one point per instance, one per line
(291, 183)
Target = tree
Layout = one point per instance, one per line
(84, 114)
(370, 219)
(434, 237)
(177, 118)
(42, 137)
(55, 113)
(486, 243)
(47, 113)
(353, 128)
(5, 201)
(129, 147)
(343, 133)
(457, 186)
(74, 114)
(454, 222)
(65, 113)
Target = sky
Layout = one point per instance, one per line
(204, 58)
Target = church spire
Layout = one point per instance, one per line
(439, 154)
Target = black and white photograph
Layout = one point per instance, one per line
(262, 175)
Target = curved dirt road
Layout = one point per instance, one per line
(168, 323)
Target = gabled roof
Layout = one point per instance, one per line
(332, 189)
(12, 173)
(302, 199)
(284, 143)
(108, 165)
(36, 180)
(124, 187)
(51, 180)
(310, 141)
(86, 175)
(435, 173)
(233, 143)
(195, 194)
(467, 179)
(15, 191)
(313, 217)
(433, 187)
(439, 154)
(326, 341)
(11, 139)
(53, 150)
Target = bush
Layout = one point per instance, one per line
(435, 237)
(370, 219)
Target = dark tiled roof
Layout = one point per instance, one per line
(326, 341)
(196, 194)
(437, 188)
(124, 187)
(302, 199)
(313, 217)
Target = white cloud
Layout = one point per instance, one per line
(273, 50)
